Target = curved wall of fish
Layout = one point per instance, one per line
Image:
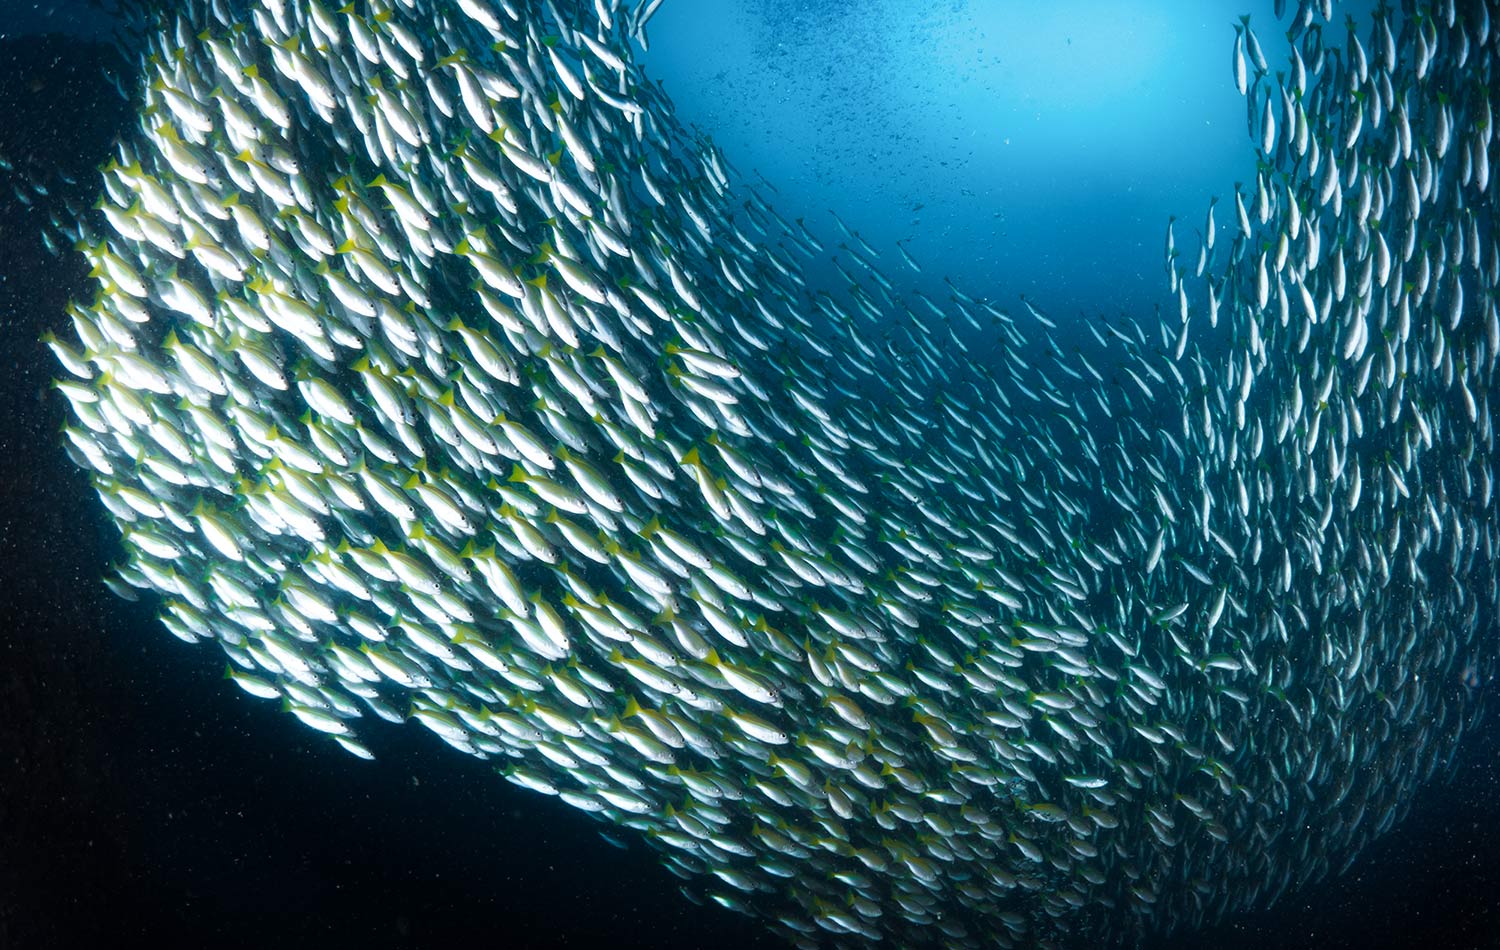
(436, 372)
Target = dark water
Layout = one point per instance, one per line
(143, 798)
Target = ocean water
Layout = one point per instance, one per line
(1011, 151)
(1004, 146)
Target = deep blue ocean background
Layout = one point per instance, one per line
(1014, 148)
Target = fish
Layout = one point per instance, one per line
(434, 370)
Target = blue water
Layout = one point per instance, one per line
(1017, 148)
(74, 18)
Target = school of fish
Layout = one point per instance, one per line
(437, 373)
